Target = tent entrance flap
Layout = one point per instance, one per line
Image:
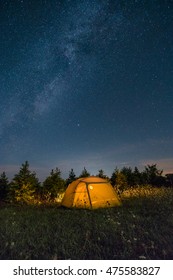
(89, 195)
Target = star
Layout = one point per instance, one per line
(86, 83)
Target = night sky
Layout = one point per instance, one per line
(86, 83)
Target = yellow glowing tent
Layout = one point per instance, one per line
(91, 192)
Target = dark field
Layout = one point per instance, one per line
(141, 229)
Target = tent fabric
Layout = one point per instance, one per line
(90, 192)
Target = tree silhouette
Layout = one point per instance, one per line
(84, 173)
(71, 177)
(101, 174)
(4, 186)
(114, 176)
(169, 179)
(53, 185)
(152, 174)
(137, 177)
(121, 182)
(127, 172)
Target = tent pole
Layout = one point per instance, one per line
(89, 195)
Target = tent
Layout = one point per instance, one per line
(90, 192)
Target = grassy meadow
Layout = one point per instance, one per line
(142, 228)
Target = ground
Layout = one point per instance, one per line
(140, 229)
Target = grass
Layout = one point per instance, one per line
(141, 229)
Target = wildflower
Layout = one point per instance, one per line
(142, 257)
(54, 257)
(152, 245)
(143, 245)
(164, 252)
(135, 239)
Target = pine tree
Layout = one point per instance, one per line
(53, 185)
(118, 180)
(137, 177)
(114, 176)
(4, 186)
(84, 173)
(127, 172)
(152, 174)
(71, 177)
(24, 185)
(101, 174)
(121, 182)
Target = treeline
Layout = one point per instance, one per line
(26, 188)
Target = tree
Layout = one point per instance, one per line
(137, 177)
(152, 174)
(114, 176)
(84, 173)
(127, 172)
(121, 182)
(169, 179)
(24, 185)
(53, 185)
(101, 174)
(118, 180)
(4, 186)
(71, 177)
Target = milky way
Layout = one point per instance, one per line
(86, 83)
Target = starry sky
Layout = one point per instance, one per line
(86, 83)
